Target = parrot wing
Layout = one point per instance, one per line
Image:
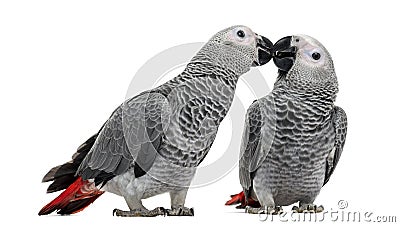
(257, 139)
(340, 125)
(129, 138)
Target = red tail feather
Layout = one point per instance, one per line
(75, 198)
(241, 199)
(236, 199)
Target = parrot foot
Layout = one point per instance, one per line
(307, 208)
(180, 211)
(264, 210)
(140, 212)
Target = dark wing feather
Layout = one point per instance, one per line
(64, 175)
(340, 125)
(129, 138)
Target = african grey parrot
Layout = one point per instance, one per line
(153, 142)
(294, 136)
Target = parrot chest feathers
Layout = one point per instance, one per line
(197, 107)
(304, 135)
(295, 165)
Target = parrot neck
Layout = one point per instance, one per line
(324, 92)
(222, 60)
(198, 69)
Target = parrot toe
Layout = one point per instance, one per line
(264, 210)
(180, 211)
(140, 212)
(307, 208)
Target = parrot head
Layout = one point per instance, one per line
(304, 62)
(238, 48)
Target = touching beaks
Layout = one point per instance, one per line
(264, 51)
(284, 54)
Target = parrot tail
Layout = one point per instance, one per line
(75, 198)
(64, 175)
(241, 199)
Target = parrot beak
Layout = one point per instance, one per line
(284, 54)
(264, 50)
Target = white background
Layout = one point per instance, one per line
(65, 66)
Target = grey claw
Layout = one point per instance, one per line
(116, 212)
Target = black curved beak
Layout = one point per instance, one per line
(284, 54)
(264, 51)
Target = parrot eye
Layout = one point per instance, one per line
(241, 34)
(316, 56)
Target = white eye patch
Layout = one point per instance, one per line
(309, 52)
(241, 35)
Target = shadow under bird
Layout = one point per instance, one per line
(294, 136)
(153, 142)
